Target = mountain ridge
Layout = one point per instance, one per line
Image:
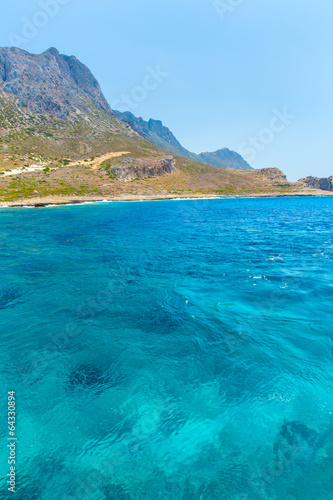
(156, 132)
(36, 79)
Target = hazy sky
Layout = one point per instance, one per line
(251, 75)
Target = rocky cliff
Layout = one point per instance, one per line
(142, 168)
(273, 174)
(325, 183)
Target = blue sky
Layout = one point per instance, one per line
(251, 75)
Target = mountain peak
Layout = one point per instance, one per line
(53, 51)
(225, 158)
(49, 82)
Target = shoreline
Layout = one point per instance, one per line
(54, 201)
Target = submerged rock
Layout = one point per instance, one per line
(116, 492)
(297, 432)
(85, 376)
(9, 297)
(296, 443)
(163, 312)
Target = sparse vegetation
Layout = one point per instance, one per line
(65, 152)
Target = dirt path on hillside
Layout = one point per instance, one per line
(24, 170)
(97, 162)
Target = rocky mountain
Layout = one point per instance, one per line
(155, 132)
(49, 82)
(55, 104)
(325, 183)
(60, 85)
(52, 107)
(226, 159)
(158, 134)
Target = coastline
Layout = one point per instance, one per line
(49, 201)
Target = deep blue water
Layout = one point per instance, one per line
(176, 350)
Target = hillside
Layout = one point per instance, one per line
(60, 141)
(53, 114)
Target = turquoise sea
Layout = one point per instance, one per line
(172, 350)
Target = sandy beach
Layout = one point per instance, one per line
(73, 200)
